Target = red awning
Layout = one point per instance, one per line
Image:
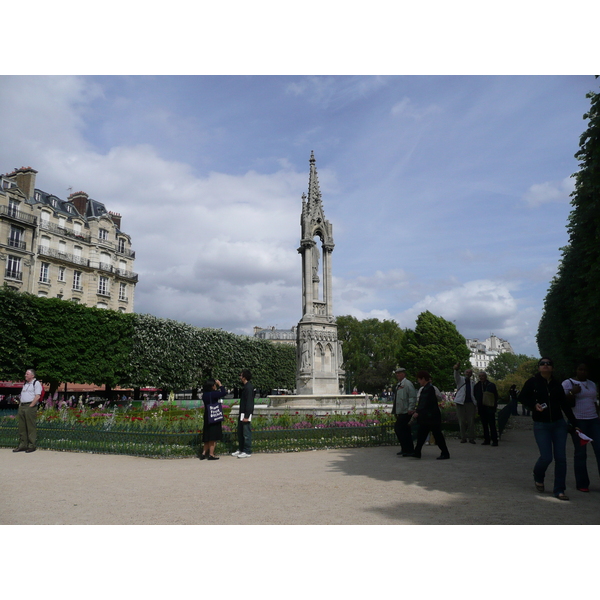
(11, 384)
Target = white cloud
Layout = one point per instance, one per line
(550, 191)
(407, 108)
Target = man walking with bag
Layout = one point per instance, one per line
(465, 404)
(486, 395)
(27, 414)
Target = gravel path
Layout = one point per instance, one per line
(479, 485)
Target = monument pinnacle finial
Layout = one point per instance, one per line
(314, 191)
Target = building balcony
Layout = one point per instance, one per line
(11, 274)
(53, 253)
(125, 252)
(126, 274)
(20, 244)
(17, 215)
(53, 228)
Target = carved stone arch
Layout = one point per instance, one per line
(319, 356)
(328, 358)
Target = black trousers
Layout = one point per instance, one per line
(404, 433)
(488, 421)
(436, 430)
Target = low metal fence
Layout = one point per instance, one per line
(160, 443)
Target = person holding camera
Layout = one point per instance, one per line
(546, 399)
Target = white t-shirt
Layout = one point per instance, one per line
(585, 401)
(30, 391)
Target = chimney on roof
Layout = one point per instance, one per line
(116, 218)
(80, 201)
(25, 180)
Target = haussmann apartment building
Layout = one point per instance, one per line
(72, 249)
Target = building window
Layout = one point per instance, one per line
(105, 261)
(44, 244)
(45, 273)
(13, 208)
(77, 281)
(13, 268)
(103, 286)
(16, 237)
(101, 305)
(77, 228)
(62, 248)
(122, 291)
(103, 234)
(61, 273)
(121, 245)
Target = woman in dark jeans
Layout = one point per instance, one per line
(429, 417)
(546, 399)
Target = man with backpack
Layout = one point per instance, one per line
(30, 396)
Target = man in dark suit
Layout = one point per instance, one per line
(245, 418)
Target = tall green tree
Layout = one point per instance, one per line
(505, 364)
(370, 350)
(435, 346)
(569, 330)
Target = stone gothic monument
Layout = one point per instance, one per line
(319, 352)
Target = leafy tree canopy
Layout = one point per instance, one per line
(506, 363)
(435, 346)
(569, 330)
(370, 350)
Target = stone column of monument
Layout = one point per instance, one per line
(319, 352)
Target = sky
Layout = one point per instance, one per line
(446, 193)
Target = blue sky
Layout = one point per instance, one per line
(446, 193)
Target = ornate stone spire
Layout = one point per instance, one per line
(313, 219)
(314, 192)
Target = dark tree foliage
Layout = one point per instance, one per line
(17, 317)
(435, 346)
(370, 349)
(569, 330)
(68, 342)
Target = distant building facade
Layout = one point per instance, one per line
(277, 336)
(70, 249)
(484, 351)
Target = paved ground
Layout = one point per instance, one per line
(479, 485)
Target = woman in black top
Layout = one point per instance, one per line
(546, 399)
(213, 432)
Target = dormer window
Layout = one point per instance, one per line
(103, 234)
(121, 245)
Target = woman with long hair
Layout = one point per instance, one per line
(211, 432)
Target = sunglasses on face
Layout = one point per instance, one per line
(545, 363)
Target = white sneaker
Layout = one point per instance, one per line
(236, 453)
(243, 455)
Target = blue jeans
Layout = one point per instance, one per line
(245, 437)
(591, 428)
(551, 439)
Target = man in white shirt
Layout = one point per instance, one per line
(405, 400)
(30, 396)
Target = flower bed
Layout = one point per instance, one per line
(168, 431)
